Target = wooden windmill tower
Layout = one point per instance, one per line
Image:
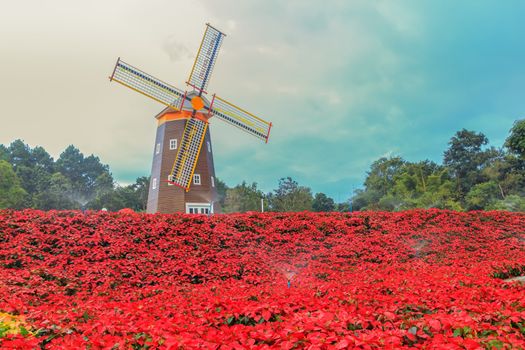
(182, 174)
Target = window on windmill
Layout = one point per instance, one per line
(157, 149)
(212, 181)
(173, 144)
(209, 146)
(154, 184)
(170, 180)
(196, 179)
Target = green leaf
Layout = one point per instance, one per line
(494, 343)
(23, 331)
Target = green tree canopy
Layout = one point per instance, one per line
(19, 154)
(114, 200)
(242, 198)
(382, 175)
(482, 196)
(378, 183)
(289, 196)
(516, 140)
(466, 157)
(322, 202)
(57, 195)
(344, 207)
(72, 182)
(88, 176)
(41, 159)
(395, 184)
(134, 196)
(4, 153)
(508, 173)
(141, 188)
(12, 195)
(32, 166)
(511, 203)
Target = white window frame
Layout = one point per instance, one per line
(154, 183)
(173, 141)
(212, 181)
(197, 179)
(157, 148)
(209, 146)
(170, 179)
(199, 208)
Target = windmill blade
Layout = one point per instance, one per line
(240, 118)
(206, 57)
(188, 154)
(148, 85)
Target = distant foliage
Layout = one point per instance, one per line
(243, 198)
(12, 195)
(473, 176)
(30, 178)
(516, 141)
(322, 202)
(289, 196)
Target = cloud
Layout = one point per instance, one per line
(175, 49)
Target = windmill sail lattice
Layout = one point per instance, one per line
(148, 85)
(206, 58)
(240, 118)
(188, 154)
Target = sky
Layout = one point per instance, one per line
(343, 82)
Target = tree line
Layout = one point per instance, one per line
(31, 178)
(472, 176)
(288, 196)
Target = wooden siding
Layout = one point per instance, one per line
(170, 198)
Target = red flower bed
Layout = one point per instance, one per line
(417, 279)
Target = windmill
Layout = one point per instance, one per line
(183, 126)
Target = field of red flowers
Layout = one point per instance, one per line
(418, 279)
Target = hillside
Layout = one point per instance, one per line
(367, 280)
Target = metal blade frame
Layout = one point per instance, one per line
(240, 118)
(206, 57)
(148, 85)
(188, 153)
